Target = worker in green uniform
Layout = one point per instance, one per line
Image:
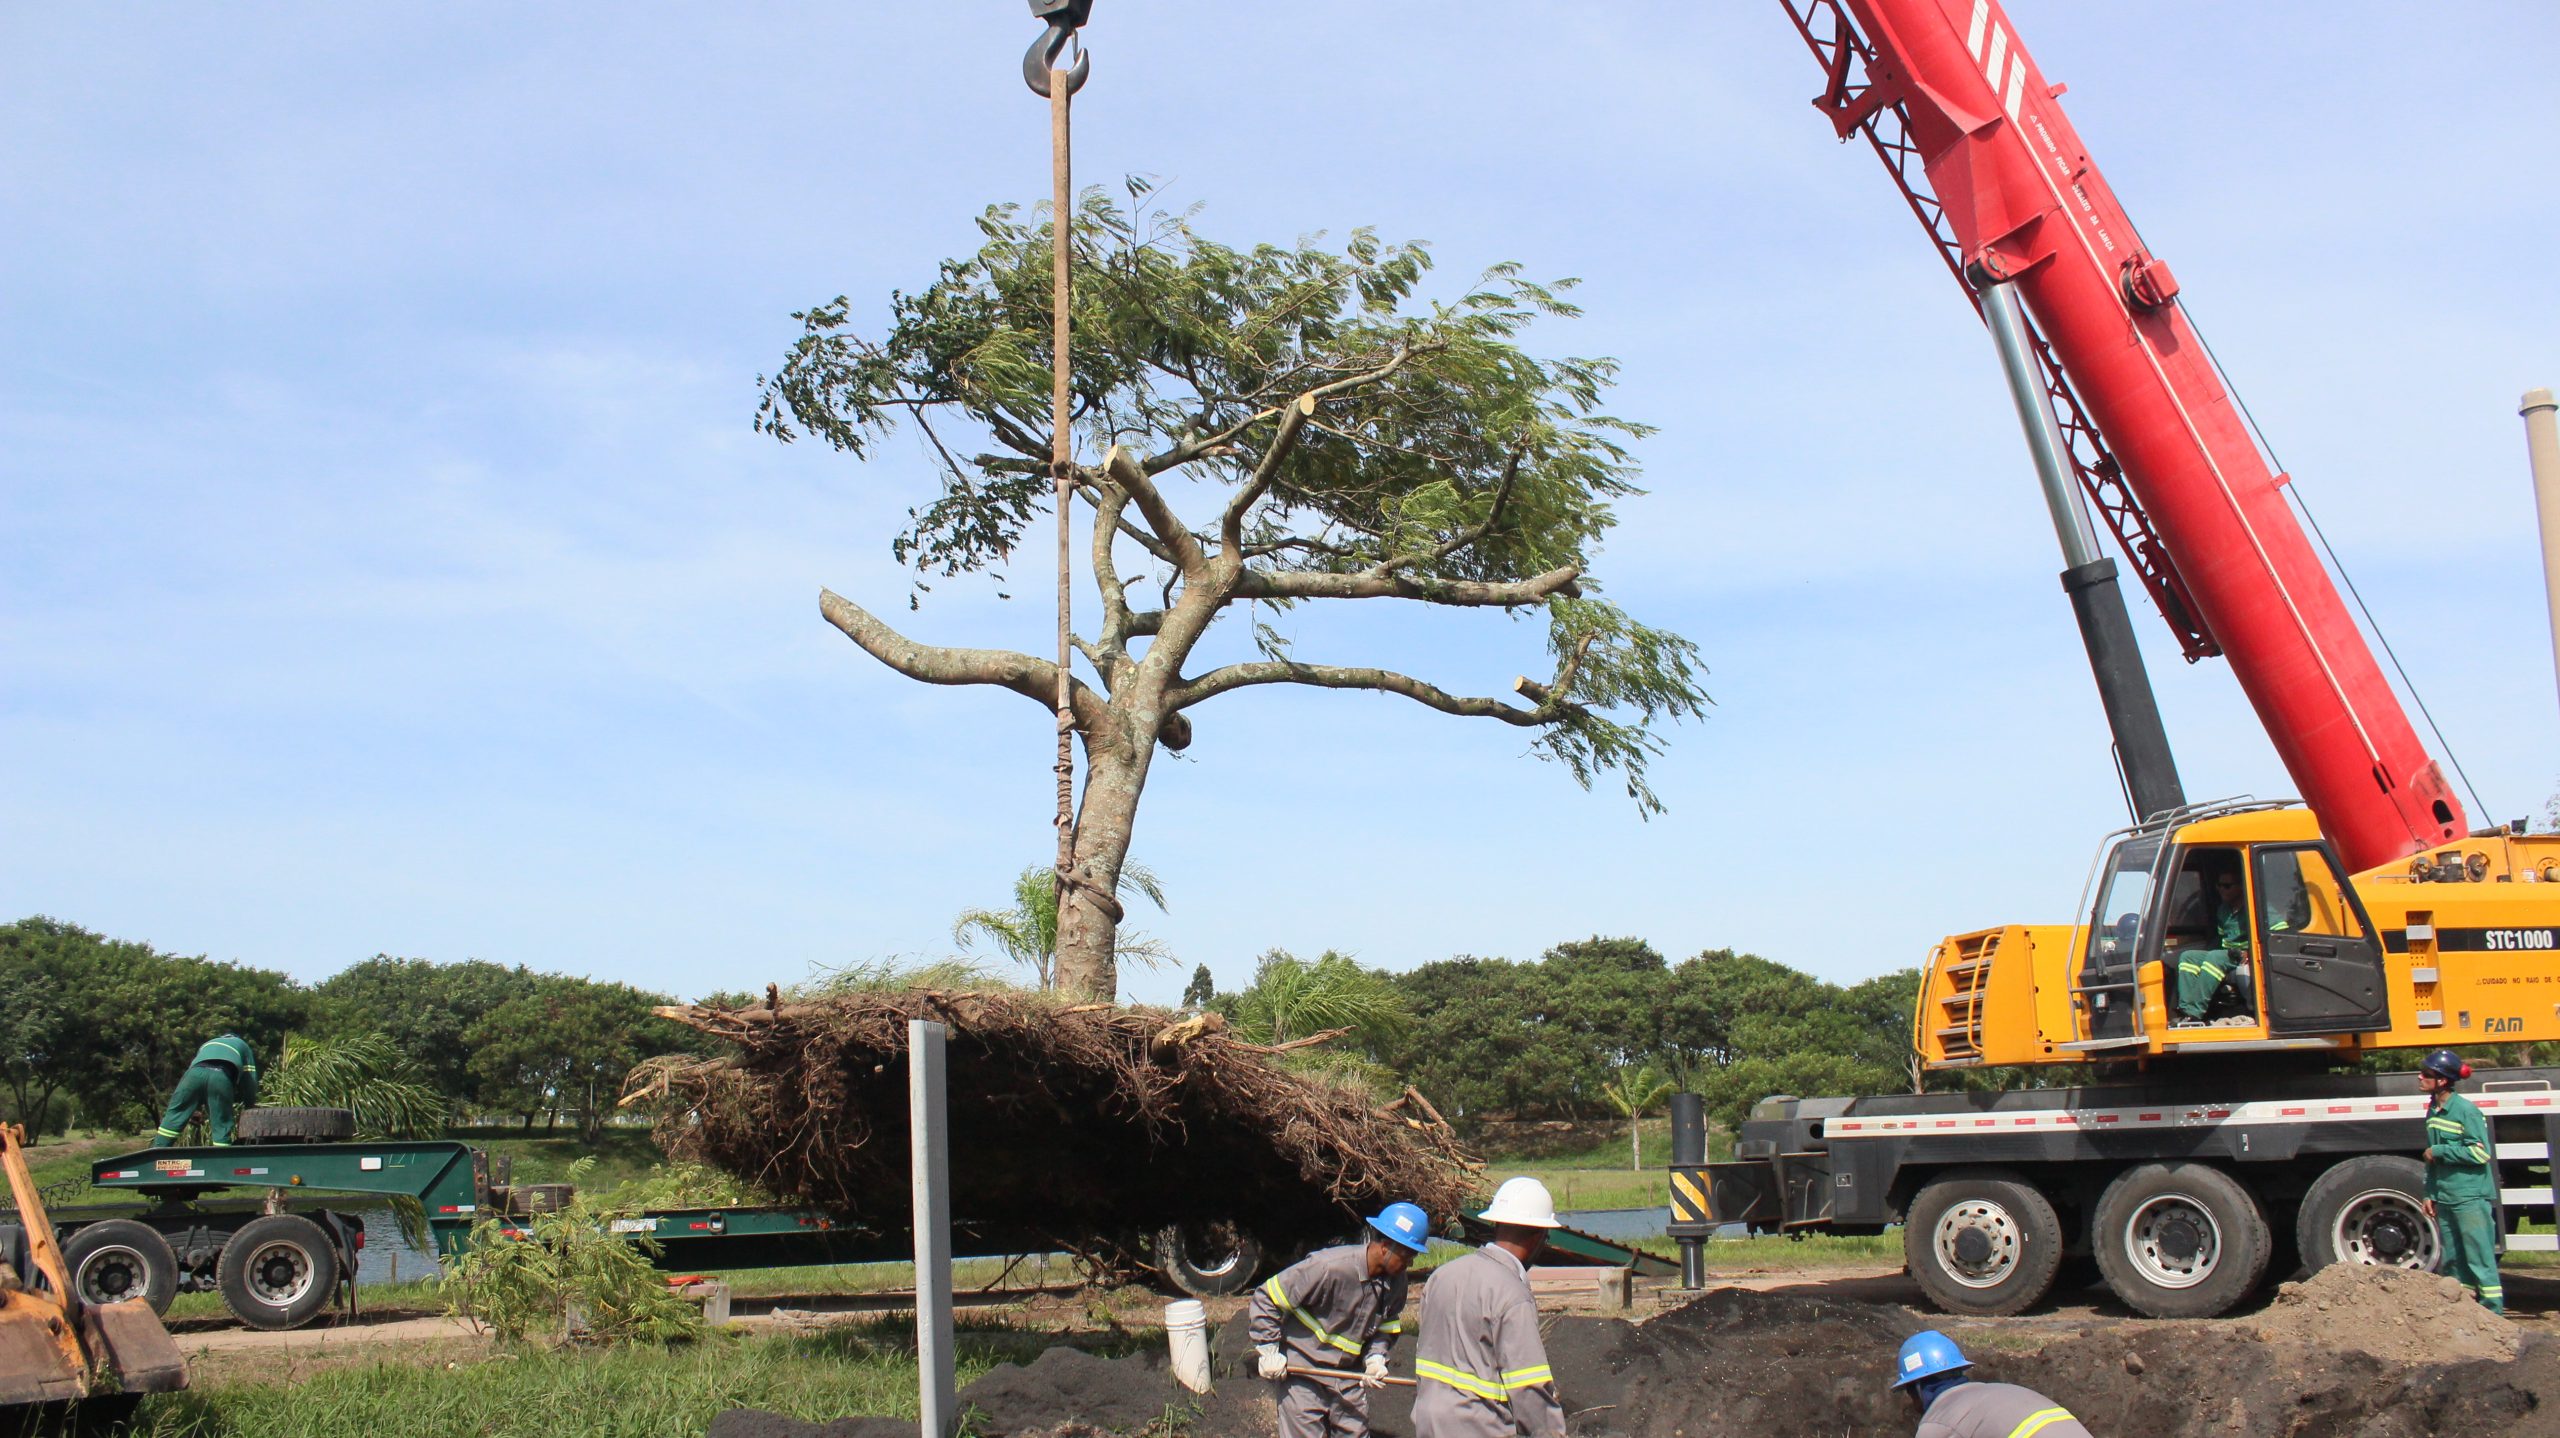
(2462, 1179)
(2201, 971)
(222, 1081)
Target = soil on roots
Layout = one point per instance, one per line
(1085, 1124)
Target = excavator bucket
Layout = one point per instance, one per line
(53, 1348)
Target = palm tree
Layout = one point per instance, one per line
(1635, 1093)
(365, 1073)
(1291, 998)
(1027, 933)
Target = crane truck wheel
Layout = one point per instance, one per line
(2180, 1240)
(1216, 1260)
(1982, 1242)
(120, 1259)
(277, 1272)
(2366, 1210)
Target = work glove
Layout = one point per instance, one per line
(1373, 1374)
(1268, 1362)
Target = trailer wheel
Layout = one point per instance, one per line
(1982, 1242)
(1216, 1260)
(119, 1259)
(2366, 1210)
(2180, 1240)
(278, 1272)
(297, 1125)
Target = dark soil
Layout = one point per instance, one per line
(1756, 1365)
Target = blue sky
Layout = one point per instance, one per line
(393, 569)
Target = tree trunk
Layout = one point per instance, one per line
(1635, 1143)
(1088, 964)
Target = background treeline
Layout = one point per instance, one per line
(94, 1031)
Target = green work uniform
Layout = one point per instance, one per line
(2201, 971)
(222, 1081)
(2462, 1182)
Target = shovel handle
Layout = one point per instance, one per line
(1301, 1371)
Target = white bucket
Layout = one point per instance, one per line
(1186, 1332)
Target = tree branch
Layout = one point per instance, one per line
(1338, 676)
(1467, 536)
(1125, 471)
(1033, 679)
(1293, 419)
(1466, 593)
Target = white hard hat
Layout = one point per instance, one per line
(1524, 1202)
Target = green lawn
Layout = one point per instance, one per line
(632, 1392)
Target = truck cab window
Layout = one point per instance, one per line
(2298, 892)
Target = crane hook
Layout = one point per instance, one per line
(1065, 17)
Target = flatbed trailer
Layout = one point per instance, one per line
(2189, 1191)
(278, 1260)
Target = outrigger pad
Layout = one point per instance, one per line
(126, 1339)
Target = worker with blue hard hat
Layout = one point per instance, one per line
(1321, 1327)
(1935, 1374)
(2462, 1180)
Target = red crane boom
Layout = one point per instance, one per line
(2005, 185)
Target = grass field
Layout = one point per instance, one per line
(632, 1392)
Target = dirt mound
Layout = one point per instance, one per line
(1748, 1365)
(2393, 1313)
(1085, 1123)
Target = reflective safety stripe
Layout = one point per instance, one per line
(1462, 1381)
(2039, 1421)
(1323, 1335)
(1528, 1377)
(167, 1132)
(1392, 1325)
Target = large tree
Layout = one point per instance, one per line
(1264, 426)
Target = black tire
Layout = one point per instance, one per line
(1982, 1242)
(117, 1259)
(2366, 1210)
(15, 1260)
(278, 1272)
(2180, 1240)
(1215, 1260)
(297, 1125)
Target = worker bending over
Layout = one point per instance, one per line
(1931, 1371)
(2201, 971)
(222, 1081)
(1332, 1308)
(1481, 1370)
(2462, 1180)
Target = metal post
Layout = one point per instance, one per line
(2149, 770)
(2542, 444)
(928, 1122)
(1689, 1146)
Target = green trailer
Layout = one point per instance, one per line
(280, 1258)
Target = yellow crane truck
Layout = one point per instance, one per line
(2193, 1149)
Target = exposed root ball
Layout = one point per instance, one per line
(1088, 1125)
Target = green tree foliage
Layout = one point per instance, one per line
(1634, 1093)
(424, 1008)
(365, 1073)
(1552, 1038)
(1201, 991)
(564, 1047)
(1335, 434)
(1027, 931)
(137, 1017)
(1291, 999)
(569, 1272)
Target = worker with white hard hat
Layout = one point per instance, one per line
(1480, 1367)
(1336, 1307)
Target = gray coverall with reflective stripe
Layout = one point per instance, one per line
(1481, 1367)
(1325, 1311)
(1997, 1410)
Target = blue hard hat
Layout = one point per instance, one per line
(1926, 1355)
(2444, 1064)
(1405, 1224)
